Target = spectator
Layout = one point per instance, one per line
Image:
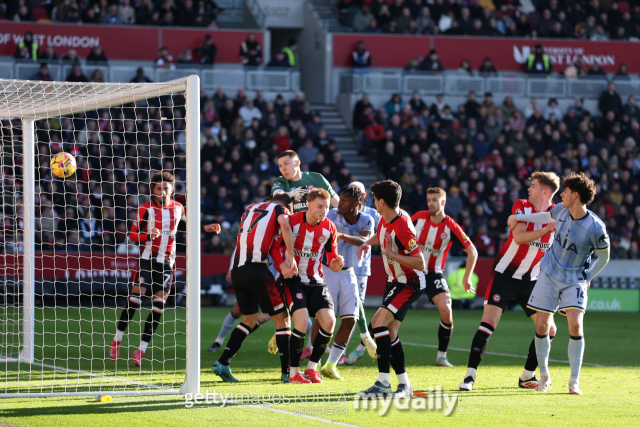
(76, 75)
(538, 62)
(291, 53)
(96, 55)
(42, 74)
(489, 105)
(360, 58)
(185, 58)
(599, 34)
(187, 14)
(248, 112)
(362, 18)
(97, 76)
(127, 12)
(623, 73)
(48, 54)
(487, 69)
(140, 77)
(465, 69)
(431, 62)
(412, 66)
(484, 242)
(73, 15)
(279, 61)
(27, 48)
(23, 14)
(373, 28)
(395, 104)
(251, 51)
(610, 101)
(596, 71)
(207, 51)
(112, 17)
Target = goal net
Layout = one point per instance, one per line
(69, 264)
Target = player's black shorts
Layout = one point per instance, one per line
(436, 284)
(502, 288)
(398, 298)
(256, 288)
(312, 297)
(153, 276)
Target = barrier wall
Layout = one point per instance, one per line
(122, 42)
(506, 53)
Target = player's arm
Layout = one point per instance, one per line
(414, 259)
(141, 224)
(279, 263)
(598, 264)
(336, 261)
(472, 255)
(366, 246)
(521, 236)
(287, 237)
(334, 201)
(356, 240)
(536, 218)
(212, 228)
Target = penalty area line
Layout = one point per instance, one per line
(519, 356)
(309, 417)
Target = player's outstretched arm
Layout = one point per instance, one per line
(334, 201)
(522, 237)
(356, 240)
(472, 257)
(598, 265)
(212, 228)
(536, 218)
(287, 236)
(415, 261)
(366, 246)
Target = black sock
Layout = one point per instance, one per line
(153, 320)
(383, 339)
(320, 345)
(282, 340)
(296, 344)
(479, 344)
(444, 335)
(128, 312)
(532, 360)
(397, 357)
(233, 345)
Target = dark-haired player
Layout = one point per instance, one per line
(155, 228)
(354, 228)
(436, 231)
(404, 265)
(566, 271)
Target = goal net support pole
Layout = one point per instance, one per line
(28, 264)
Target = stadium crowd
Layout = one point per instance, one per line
(482, 152)
(585, 20)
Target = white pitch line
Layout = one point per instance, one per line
(309, 417)
(519, 356)
(91, 374)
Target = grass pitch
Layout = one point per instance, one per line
(609, 379)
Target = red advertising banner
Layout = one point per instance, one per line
(84, 267)
(506, 53)
(121, 42)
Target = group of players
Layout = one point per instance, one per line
(322, 260)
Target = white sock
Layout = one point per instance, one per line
(143, 346)
(361, 347)
(219, 340)
(336, 352)
(293, 371)
(365, 335)
(403, 378)
(442, 354)
(527, 375)
(312, 365)
(383, 378)
(471, 372)
(118, 336)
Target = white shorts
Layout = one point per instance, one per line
(550, 295)
(362, 286)
(343, 288)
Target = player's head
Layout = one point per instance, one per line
(436, 199)
(360, 186)
(319, 202)
(162, 187)
(578, 189)
(351, 200)
(543, 186)
(289, 164)
(386, 193)
(283, 200)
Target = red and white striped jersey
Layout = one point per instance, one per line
(165, 219)
(522, 262)
(311, 242)
(258, 227)
(403, 238)
(435, 239)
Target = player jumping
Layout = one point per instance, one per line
(252, 281)
(436, 231)
(515, 270)
(306, 294)
(354, 228)
(404, 265)
(567, 271)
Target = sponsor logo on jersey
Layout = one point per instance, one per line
(428, 248)
(496, 298)
(412, 246)
(542, 246)
(306, 253)
(300, 206)
(566, 244)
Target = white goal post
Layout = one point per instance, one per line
(55, 343)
